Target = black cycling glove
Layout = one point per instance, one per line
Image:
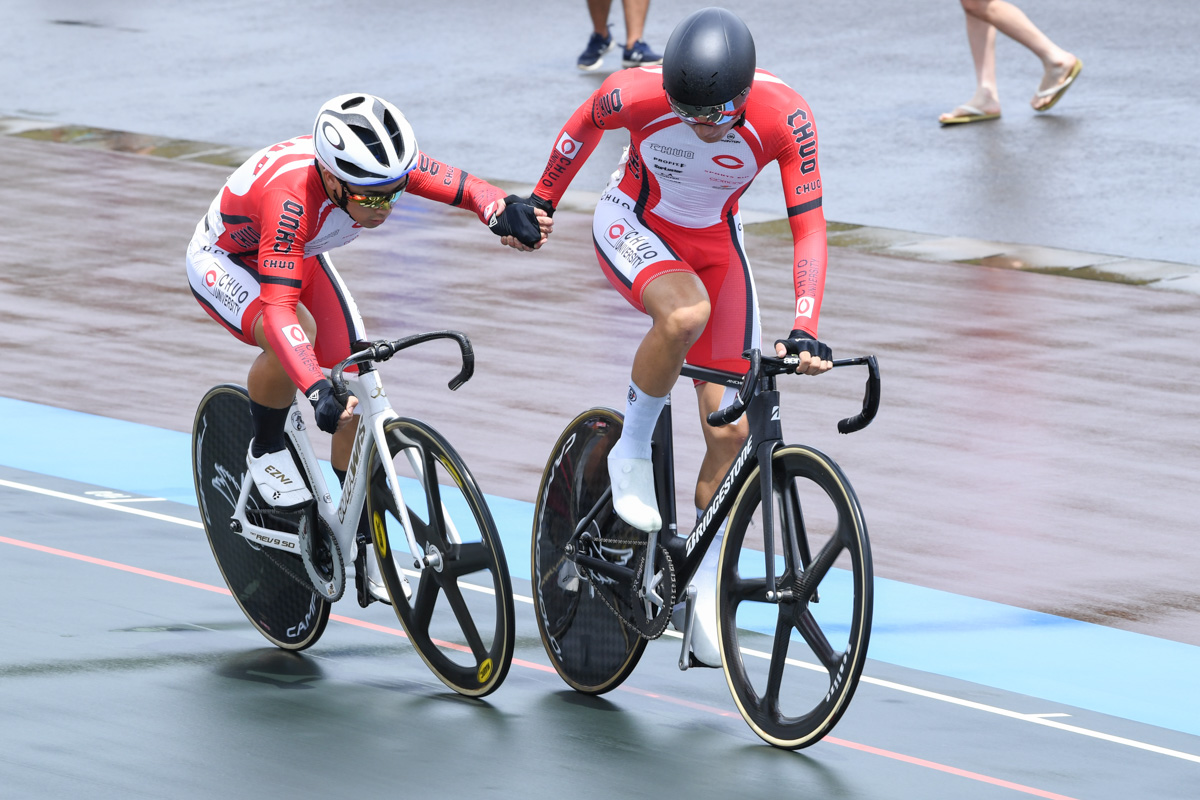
(799, 341)
(325, 405)
(518, 219)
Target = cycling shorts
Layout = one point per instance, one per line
(227, 287)
(634, 249)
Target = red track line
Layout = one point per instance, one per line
(114, 565)
(920, 762)
(962, 773)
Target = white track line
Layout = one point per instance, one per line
(1034, 719)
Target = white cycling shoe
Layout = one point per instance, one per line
(703, 646)
(278, 479)
(375, 584)
(633, 492)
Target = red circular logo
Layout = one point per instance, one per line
(210, 278)
(728, 162)
(616, 231)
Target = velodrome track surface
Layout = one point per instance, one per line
(1028, 487)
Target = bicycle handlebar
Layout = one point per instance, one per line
(773, 365)
(383, 349)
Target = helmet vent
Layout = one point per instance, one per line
(371, 140)
(351, 168)
(352, 102)
(389, 123)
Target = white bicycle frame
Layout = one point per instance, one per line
(375, 412)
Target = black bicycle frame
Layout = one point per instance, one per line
(766, 434)
(758, 398)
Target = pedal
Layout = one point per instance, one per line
(689, 620)
(367, 580)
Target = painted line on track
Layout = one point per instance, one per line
(863, 748)
(1035, 719)
(1062, 661)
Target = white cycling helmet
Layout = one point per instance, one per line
(364, 140)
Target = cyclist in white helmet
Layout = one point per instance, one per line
(258, 262)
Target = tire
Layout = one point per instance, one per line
(289, 615)
(824, 629)
(460, 617)
(592, 650)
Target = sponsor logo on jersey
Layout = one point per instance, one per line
(567, 146)
(606, 106)
(806, 138)
(227, 290)
(630, 243)
(429, 165)
(805, 306)
(246, 238)
(289, 223)
(294, 334)
(728, 162)
(667, 150)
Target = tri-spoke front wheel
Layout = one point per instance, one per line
(794, 637)
(457, 609)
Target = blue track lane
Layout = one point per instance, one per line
(1127, 675)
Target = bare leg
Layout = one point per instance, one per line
(268, 381)
(271, 386)
(1012, 22)
(598, 9)
(981, 36)
(722, 443)
(635, 20)
(678, 305)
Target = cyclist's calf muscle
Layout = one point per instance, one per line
(722, 444)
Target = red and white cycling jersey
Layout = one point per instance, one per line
(255, 251)
(681, 182)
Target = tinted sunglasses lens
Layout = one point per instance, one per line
(377, 200)
(709, 115)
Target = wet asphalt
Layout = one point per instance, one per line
(1111, 169)
(1037, 447)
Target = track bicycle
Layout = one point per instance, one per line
(407, 496)
(794, 582)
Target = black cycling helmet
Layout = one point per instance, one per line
(708, 66)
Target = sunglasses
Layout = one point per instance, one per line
(709, 115)
(374, 200)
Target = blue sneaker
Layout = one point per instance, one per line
(640, 55)
(597, 46)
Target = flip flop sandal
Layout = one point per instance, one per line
(1056, 92)
(972, 114)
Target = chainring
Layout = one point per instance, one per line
(631, 600)
(322, 557)
(651, 626)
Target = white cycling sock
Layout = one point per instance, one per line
(641, 413)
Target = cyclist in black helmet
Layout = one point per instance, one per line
(668, 236)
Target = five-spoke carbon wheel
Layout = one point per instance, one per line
(457, 609)
(794, 646)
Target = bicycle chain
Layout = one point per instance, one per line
(656, 629)
(281, 560)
